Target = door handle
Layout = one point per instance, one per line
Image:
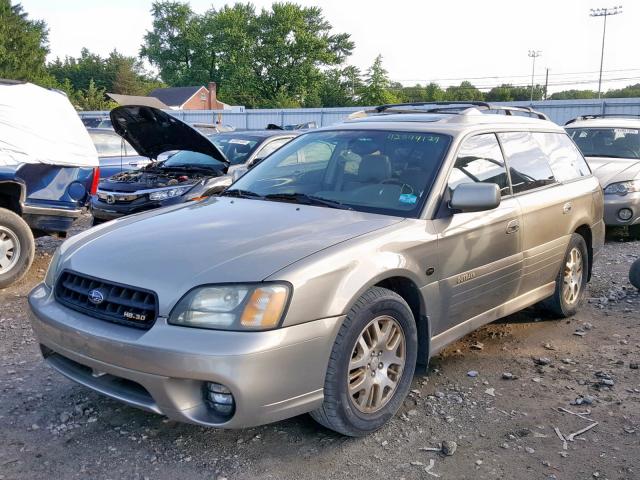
(513, 226)
(566, 208)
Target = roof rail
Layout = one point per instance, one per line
(602, 115)
(458, 107)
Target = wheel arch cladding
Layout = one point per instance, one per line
(410, 293)
(11, 196)
(585, 232)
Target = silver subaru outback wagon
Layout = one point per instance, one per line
(318, 280)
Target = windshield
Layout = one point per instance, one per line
(237, 148)
(188, 158)
(111, 145)
(607, 142)
(386, 172)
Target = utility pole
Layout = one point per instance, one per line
(533, 54)
(546, 84)
(604, 12)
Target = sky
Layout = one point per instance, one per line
(445, 41)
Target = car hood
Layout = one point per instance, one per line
(151, 132)
(612, 170)
(219, 240)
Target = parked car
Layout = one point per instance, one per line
(611, 144)
(46, 174)
(92, 121)
(116, 155)
(318, 280)
(634, 274)
(204, 166)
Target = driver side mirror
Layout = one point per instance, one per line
(475, 197)
(255, 162)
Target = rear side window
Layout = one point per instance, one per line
(566, 161)
(528, 164)
(480, 160)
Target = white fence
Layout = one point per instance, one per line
(558, 110)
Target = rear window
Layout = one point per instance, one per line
(111, 145)
(607, 142)
(565, 160)
(528, 164)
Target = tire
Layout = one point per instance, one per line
(340, 411)
(17, 248)
(96, 221)
(634, 274)
(558, 303)
(634, 232)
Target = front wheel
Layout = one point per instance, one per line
(17, 247)
(371, 365)
(571, 282)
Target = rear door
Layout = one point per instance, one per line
(547, 200)
(481, 251)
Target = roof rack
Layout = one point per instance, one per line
(457, 107)
(602, 115)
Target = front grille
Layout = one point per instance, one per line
(113, 302)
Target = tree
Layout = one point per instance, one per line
(626, 92)
(340, 87)
(466, 91)
(23, 45)
(264, 59)
(93, 98)
(573, 95)
(376, 89)
(510, 93)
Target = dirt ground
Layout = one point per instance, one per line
(51, 428)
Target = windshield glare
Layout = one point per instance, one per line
(237, 149)
(607, 142)
(377, 171)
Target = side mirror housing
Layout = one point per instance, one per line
(475, 197)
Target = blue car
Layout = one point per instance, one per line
(46, 177)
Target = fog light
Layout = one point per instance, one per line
(625, 214)
(219, 399)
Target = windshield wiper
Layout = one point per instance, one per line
(235, 192)
(305, 199)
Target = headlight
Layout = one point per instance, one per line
(622, 188)
(169, 193)
(52, 271)
(232, 307)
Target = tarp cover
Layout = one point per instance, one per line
(41, 126)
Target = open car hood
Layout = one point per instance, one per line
(152, 132)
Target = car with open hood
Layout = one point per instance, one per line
(611, 145)
(185, 162)
(320, 278)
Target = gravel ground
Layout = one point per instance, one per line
(493, 398)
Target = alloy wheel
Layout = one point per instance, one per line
(572, 280)
(377, 362)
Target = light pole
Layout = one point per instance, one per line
(604, 12)
(533, 54)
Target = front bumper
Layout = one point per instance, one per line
(272, 375)
(613, 204)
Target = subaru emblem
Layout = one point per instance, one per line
(96, 297)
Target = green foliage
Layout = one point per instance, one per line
(510, 93)
(626, 92)
(115, 73)
(376, 90)
(23, 45)
(573, 95)
(267, 59)
(465, 91)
